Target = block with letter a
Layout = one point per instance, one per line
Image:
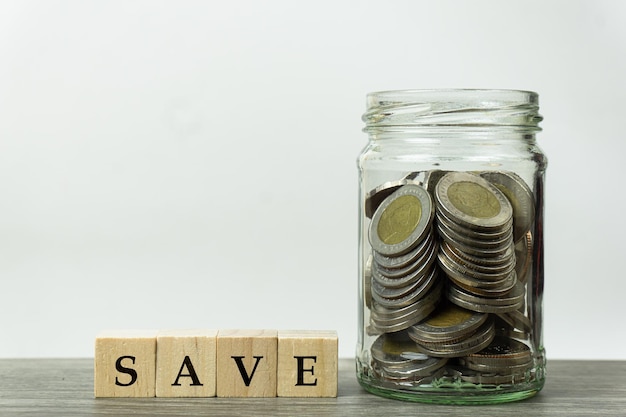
(246, 363)
(185, 363)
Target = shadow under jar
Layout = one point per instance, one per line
(451, 246)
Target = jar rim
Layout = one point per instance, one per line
(419, 108)
(453, 95)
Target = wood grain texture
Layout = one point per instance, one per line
(185, 363)
(307, 363)
(124, 363)
(246, 363)
(64, 387)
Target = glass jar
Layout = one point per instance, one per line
(451, 246)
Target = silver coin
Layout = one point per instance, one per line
(480, 306)
(517, 320)
(376, 196)
(491, 234)
(502, 352)
(421, 262)
(402, 221)
(500, 270)
(519, 195)
(471, 241)
(367, 282)
(494, 287)
(505, 258)
(431, 178)
(389, 320)
(387, 314)
(474, 343)
(513, 298)
(414, 294)
(424, 269)
(495, 369)
(476, 273)
(397, 262)
(473, 202)
(523, 256)
(476, 377)
(399, 358)
(484, 252)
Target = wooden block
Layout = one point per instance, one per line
(307, 363)
(185, 363)
(246, 363)
(125, 364)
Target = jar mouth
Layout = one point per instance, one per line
(415, 109)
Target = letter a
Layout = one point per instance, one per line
(192, 373)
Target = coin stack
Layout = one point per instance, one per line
(453, 331)
(475, 228)
(404, 279)
(505, 360)
(397, 359)
(475, 223)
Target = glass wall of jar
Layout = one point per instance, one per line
(451, 246)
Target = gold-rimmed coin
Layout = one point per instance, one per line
(376, 196)
(402, 221)
(473, 201)
(519, 195)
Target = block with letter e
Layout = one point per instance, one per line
(307, 363)
(124, 363)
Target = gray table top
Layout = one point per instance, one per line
(64, 387)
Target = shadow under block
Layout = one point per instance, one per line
(125, 364)
(246, 363)
(185, 363)
(307, 363)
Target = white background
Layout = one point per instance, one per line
(193, 164)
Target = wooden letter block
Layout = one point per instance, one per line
(185, 361)
(307, 363)
(125, 364)
(246, 363)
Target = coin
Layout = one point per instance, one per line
(424, 268)
(502, 351)
(431, 178)
(495, 271)
(404, 297)
(376, 196)
(389, 320)
(476, 377)
(472, 201)
(510, 301)
(519, 195)
(483, 246)
(396, 262)
(399, 357)
(466, 300)
(367, 282)
(401, 221)
(449, 322)
(523, 256)
(421, 263)
(473, 343)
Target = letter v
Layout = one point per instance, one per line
(242, 369)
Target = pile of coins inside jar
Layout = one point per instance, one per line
(445, 283)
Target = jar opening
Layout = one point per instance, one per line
(418, 109)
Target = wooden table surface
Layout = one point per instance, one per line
(64, 387)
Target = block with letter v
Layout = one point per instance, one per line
(247, 363)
